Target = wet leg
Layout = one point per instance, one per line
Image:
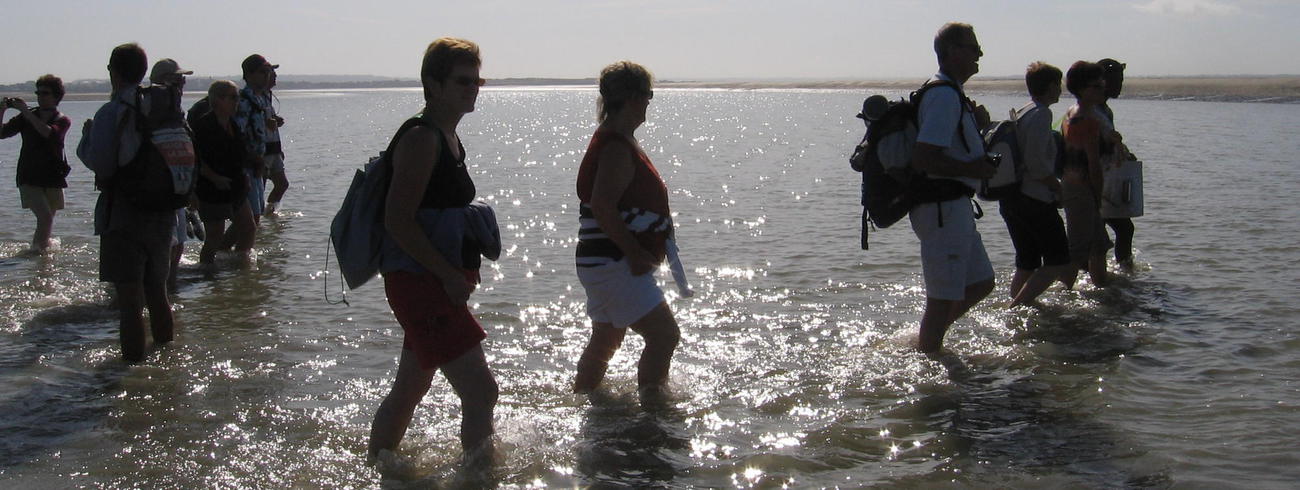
(605, 341)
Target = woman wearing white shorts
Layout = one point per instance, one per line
(625, 234)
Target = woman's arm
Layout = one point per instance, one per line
(413, 162)
(613, 176)
(1093, 150)
(35, 121)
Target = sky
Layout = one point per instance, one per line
(676, 39)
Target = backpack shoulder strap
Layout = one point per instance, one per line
(413, 121)
(964, 104)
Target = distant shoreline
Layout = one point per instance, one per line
(1272, 89)
(1278, 89)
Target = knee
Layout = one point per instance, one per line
(665, 338)
(483, 396)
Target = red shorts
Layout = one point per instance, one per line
(437, 331)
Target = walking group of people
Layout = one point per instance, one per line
(437, 233)
(229, 144)
(955, 266)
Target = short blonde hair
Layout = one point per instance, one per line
(619, 82)
(445, 54)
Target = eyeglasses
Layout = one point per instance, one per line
(44, 92)
(467, 81)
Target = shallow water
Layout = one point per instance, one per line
(795, 367)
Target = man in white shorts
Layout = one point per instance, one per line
(949, 148)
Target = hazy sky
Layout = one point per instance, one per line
(677, 39)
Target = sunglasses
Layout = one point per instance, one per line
(467, 81)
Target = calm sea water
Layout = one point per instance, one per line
(795, 367)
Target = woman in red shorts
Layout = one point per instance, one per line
(429, 299)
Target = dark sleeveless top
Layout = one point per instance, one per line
(450, 186)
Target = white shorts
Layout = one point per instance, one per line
(615, 296)
(952, 256)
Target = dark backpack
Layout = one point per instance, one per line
(357, 231)
(890, 186)
(161, 176)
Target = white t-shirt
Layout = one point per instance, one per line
(1038, 148)
(937, 119)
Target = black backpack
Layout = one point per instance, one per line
(162, 174)
(890, 186)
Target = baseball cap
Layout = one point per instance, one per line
(165, 67)
(255, 62)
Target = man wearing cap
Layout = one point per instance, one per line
(252, 118)
(168, 74)
(257, 120)
(1113, 148)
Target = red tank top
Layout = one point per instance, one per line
(646, 191)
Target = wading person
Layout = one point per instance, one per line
(274, 153)
(254, 120)
(949, 150)
(1084, 130)
(42, 166)
(222, 188)
(1035, 226)
(625, 232)
(430, 275)
(1115, 152)
(135, 238)
(168, 74)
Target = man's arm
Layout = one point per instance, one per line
(939, 115)
(930, 159)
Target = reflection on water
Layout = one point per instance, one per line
(796, 366)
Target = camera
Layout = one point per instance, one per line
(995, 158)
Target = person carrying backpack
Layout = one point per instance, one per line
(429, 295)
(135, 231)
(949, 148)
(1036, 229)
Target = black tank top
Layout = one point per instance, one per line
(450, 185)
